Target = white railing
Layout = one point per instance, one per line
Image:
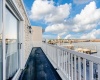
(72, 65)
(12, 59)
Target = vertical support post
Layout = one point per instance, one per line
(61, 60)
(75, 73)
(66, 64)
(4, 48)
(71, 67)
(64, 61)
(46, 49)
(84, 69)
(58, 57)
(91, 70)
(79, 68)
(98, 71)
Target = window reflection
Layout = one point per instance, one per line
(1, 68)
(11, 44)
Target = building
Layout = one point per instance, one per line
(37, 36)
(15, 43)
(18, 40)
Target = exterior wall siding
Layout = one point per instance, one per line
(37, 33)
(37, 36)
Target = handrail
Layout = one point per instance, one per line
(71, 62)
(86, 56)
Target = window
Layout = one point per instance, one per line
(11, 39)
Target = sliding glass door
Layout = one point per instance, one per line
(11, 39)
(1, 49)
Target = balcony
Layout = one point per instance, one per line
(38, 67)
(51, 62)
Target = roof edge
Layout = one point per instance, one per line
(25, 11)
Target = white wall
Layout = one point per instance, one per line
(37, 36)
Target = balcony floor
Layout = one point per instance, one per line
(38, 67)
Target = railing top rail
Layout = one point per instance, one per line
(85, 56)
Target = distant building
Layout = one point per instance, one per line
(37, 35)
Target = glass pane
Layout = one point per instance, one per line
(1, 68)
(11, 44)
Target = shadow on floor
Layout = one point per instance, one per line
(38, 67)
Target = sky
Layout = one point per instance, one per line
(68, 19)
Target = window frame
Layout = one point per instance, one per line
(14, 9)
(1, 37)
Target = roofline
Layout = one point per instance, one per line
(25, 12)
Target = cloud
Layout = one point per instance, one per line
(92, 35)
(62, 34)
(48, 12)
(81, 1)
(69, 36)
(88, 19)
(56, 28)
(59, 14)
(59, 28)
(56, 17)
(40, 9)
(72, 36)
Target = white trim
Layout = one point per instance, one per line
(15, 10)
(19, 41)
(12, 11)
(51, 49)
(85, 56)
(17, 75)
(23, 47)
(4, 48)
(21, 27)
(18, 9)
(13, 7)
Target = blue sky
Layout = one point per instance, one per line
(67, 19)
